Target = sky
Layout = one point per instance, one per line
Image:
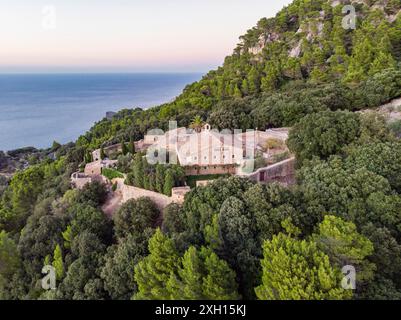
(124, 35)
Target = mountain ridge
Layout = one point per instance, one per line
(298, 62)
(294, 38)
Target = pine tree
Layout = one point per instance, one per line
(382, 61)
(341, 241)
(9, 259)
(298, 270)
(254, 81)
(363, 56)
(188, 284)
(245, 87)
(219, 282)
(47, 260)
(237, 92)
(153, 273)
(212, 234)
(203, 276)
(67, 236)
(272, 75)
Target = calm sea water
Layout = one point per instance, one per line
(37, 109)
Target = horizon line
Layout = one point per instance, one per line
(100, 72)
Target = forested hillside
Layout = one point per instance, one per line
(235, 239)
(299, 62)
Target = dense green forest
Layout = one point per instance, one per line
(235, 239)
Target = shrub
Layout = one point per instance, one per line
(273, 143)
(111, 173)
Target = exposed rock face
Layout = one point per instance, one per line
(313, 29)
(296, 51)
(15, 160)
(258, 49)
(264, 39)
(390, 111)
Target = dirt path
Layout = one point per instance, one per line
(112, 204)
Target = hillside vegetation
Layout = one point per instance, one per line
(301, 61)
(235, 239)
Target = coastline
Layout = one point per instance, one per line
(62, 106)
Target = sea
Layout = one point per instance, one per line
(37, 109)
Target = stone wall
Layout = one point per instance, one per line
(210, 170)
(130, 192)
(93, 168)
(279, 134)
(150, 139)
(96, 155)
(283, 172)
(178, 194)
(108, 151)
(80, 180)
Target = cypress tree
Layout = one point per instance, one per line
(138, 171)
(168, 182)
(124, 148)
(160, 172)
(102, 153)
(145, 168)
(58, 263)
(131, 146)
(152, 182)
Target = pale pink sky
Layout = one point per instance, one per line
(124, 35)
